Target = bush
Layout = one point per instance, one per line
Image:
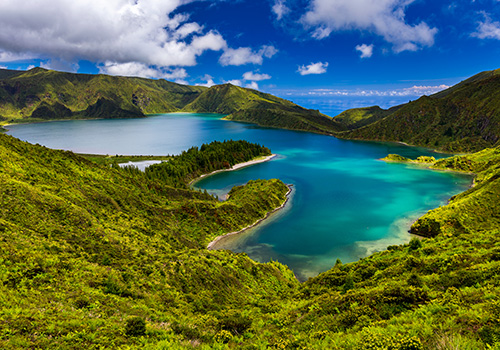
(415, 244)
(135, 327)
(235, 323)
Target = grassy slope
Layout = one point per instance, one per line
(84, 247)
(463, 118)
(476, 210)
(22, 94)
(357, 117)
(263, 109)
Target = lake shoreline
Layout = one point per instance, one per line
(211, 245)
(234, 167)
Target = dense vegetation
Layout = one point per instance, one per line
(357, 117)
(194, 162)
(86, 248)
(463, 118)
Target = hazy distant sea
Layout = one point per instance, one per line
(334, 105)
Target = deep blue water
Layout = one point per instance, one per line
(345, 204)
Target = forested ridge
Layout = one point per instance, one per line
(194, 162)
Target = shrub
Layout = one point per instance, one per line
(415, 243)
(135, 327)
(223, 336)
(235, 323)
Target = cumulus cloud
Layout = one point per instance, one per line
(137, 69)
(313, 68)
(487, 29)
(252, 85)
(280, 9)
(116, 30)
(245, 55)
(12, 57)
(122, 35)
(365, 50)
(383, 17)
(235, 82)
(209, 81)
(416, 90)
(256, 76)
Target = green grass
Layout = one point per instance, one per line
(358, 117)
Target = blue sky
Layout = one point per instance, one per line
(330, 48)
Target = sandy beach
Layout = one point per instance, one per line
(235, 167)
(217, 239)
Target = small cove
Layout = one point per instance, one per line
(345, 204)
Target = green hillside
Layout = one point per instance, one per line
(93, 256)
(357, 117)
(463, 118)
(84, 248)
(46, 94)
(263, 109)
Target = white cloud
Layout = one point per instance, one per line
(416, 90)
(137, 69)
(487, 29)
(280, 9)
(383, 17)
(3, 67)
(12, 57)
(235, 82)
(366, 50)
(245, 55)
(313, 68)
(118, 31)
(256, 76)
(209, 81)
(252, 85)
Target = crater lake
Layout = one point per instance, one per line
(345, 203)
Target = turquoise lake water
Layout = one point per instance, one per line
(345, 202)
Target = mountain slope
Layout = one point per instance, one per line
(465, 117)
(85, 248)
(23, 93)
(357, 117)
(260, 108)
